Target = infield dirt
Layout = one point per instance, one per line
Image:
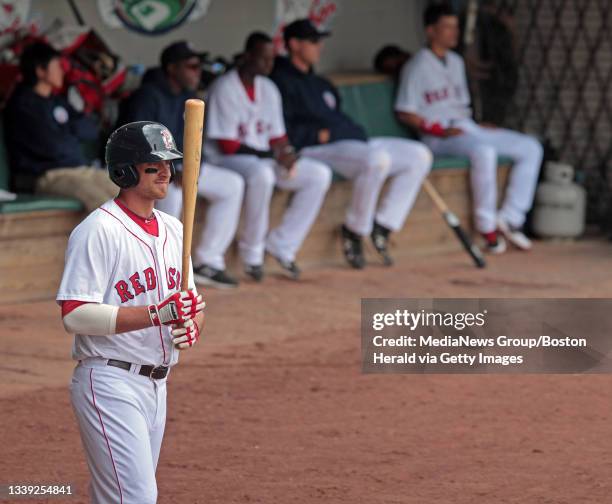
(272, 407)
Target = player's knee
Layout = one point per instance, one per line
(379, 163)
(262, 177)
(142, 495)
(424, 158)
(533, 148)
(484, 157)
(321, 175)
(233, 186)
(149, 497)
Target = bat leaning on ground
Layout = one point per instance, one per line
(192, 153)
(453, 222)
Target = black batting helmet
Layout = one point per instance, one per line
(138, 142)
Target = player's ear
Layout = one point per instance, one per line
(171, 68)
(293, 45)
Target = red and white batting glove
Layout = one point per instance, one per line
(185, 335)
(176, 308)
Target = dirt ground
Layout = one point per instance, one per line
(272, 407)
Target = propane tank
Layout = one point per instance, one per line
(560, 204)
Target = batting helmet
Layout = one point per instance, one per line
(135, 143)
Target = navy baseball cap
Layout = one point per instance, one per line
(179, 51)
(303, 29)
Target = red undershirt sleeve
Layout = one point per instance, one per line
(68, 306)
(277, 140)
(228, 147)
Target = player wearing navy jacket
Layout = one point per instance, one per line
(319, 128)
(43, 135)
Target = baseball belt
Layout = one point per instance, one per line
(153, 372)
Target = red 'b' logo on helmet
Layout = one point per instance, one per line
(167, 139)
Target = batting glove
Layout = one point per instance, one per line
(185, 335)
(176, 308)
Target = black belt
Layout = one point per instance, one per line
(154, 372)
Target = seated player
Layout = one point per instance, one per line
(246, 133)
(44, 133)
(161, 98)
(433, 97)
(320, 130)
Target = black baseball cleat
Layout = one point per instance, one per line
(212, 277)
(380, 240)
(352, 248)
(255, 271)
(290, 268)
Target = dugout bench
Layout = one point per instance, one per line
(368, 99)
(34, 230)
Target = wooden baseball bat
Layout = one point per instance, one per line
(453, 222)
(192, 153)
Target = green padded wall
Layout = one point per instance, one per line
(371, 105)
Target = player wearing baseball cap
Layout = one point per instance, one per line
(246, 133)
(161, 98)
(320, 130)
(120, 295)
(433, 97)
(44, 134)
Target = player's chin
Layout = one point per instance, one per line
(160, 191)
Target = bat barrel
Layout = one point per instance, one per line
(192, 155)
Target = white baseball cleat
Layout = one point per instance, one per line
(514, 235)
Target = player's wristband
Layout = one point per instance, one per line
(288, 149)
(433, 129)
(154, 315)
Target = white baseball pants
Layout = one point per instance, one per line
(121, 417)
(309, 185)
(368, 164)
(482, 146)
(223, 190)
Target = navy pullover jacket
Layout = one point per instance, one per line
(43, 133)
(310, 104)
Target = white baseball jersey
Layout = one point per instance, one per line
(232, 115)
(110, 259)
(436, 90)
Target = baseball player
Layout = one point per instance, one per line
(161, 98)
(317, 126)
(433, 97)
(246, 133)
(120, 295)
